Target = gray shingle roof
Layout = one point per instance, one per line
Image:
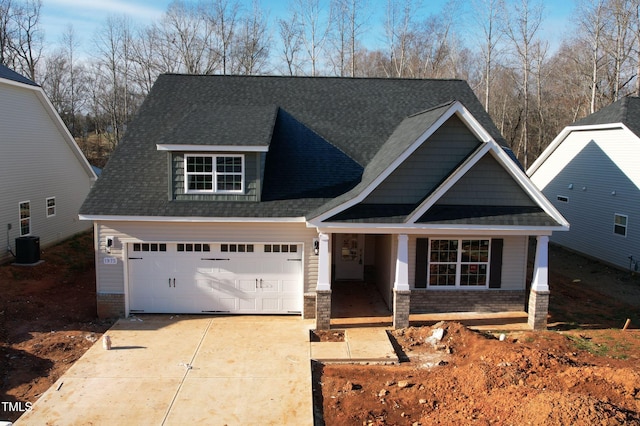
(625, 110)
(9, 74)
(347, 121)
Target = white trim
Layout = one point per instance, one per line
(626, 224)
(563, 135)
(449, 182)
(214, 174)
(463, 230)
(516, 173)
(57, 121)
(456, 108)
(191, 219)
(212, 148)
(47, 207)
(20, 218)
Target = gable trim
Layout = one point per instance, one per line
(190, 219)
(456, 108)
(564, 134)
(212, 148)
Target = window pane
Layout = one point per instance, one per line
(199, 164)
(200, 182)
(229, 182)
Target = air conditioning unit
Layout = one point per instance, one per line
(27, 250)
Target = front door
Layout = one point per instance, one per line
(348, 252)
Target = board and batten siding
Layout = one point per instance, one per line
(110, 277)
(514, 261)
(478, 187)
(597, 173)
(427, 166)
(36, 163)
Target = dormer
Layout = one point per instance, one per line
(219, 154)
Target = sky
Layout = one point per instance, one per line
(88, 16)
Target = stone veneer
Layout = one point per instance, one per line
(538, 309)
(401, 308)
(444, 301)
(323, 309)
(309, 306)
(110, 305)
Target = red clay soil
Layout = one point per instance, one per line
(585, 372)
(47, 321)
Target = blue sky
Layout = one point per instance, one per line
(87, 16)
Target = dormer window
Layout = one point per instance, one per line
(208, 173)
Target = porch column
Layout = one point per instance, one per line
(401, 290)
(323, 286)
(539, 294)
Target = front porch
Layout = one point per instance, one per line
(358, 303)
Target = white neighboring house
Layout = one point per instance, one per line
(44, 175)
(591, 173)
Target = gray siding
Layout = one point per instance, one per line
(590, 162)
(487, 184)
(36, 163)
(412, 180)
(253, 162)
(110, 277)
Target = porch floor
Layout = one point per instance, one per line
(359, 304)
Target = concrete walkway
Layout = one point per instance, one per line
(177, 370)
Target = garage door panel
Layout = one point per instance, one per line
(243, 281)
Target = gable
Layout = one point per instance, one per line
(432, 162)
(487, 183)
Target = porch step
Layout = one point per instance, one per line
(362, 345)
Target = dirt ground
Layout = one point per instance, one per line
(584, 371)
(47, 321)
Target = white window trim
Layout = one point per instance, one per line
(214, 174)
(47, 206)
(20, 218)
(459, 264)
(625, 226)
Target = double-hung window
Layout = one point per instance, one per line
(25, 217)
(214, 173)
(51, 206)
(458, 263)
(620, 224)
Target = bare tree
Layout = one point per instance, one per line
(190, 38)
(522, 29)
(487, 16)
(222, 17)
(252, 43)
(26, 39)
(289, 30)
(399, 27)
(619, 44)
(313, 26)
(347, 27)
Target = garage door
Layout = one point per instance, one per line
(215, 278)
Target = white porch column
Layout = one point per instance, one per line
(540, 280)
(402, 264)
(324, 264)
(539, 294)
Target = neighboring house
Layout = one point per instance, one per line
(591, 173)
(44, 175)
(253, 195)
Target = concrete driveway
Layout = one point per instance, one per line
(177, 370)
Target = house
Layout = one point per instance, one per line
(590, 173)
(238, 194)
(45, 177)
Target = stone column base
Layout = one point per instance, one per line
(401, 305)
(323, 309)
(538, 309)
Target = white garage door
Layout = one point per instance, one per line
(215, 278)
